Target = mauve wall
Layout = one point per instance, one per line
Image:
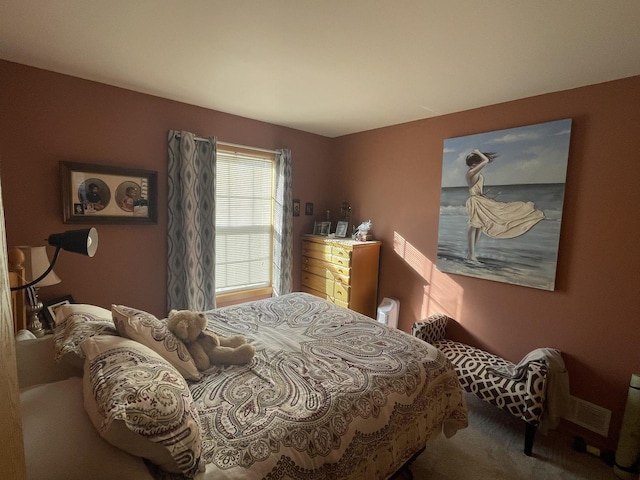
(392, 175)
(46, 117)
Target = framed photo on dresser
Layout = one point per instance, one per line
(341, 229)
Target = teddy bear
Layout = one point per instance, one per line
(207, 348)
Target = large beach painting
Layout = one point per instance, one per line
(501, 204)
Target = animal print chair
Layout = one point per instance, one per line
(519, 390)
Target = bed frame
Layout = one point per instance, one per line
(15, 259)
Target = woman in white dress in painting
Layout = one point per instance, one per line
(495, 219)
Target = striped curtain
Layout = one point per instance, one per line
(191, 222)
(283, 227)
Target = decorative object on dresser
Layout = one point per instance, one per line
(362, 233)
(345, 211)
(343, 271)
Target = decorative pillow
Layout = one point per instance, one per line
(141, 404)
(75, 323)
(145, 328)
(55, 427)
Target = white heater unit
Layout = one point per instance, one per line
(388, 312)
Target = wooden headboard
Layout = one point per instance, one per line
(16, 278)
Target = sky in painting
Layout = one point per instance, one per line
(532, 154)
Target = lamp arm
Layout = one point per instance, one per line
(46, 272)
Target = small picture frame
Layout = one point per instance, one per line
(108, 195)
(325, 228)
(341, 229)
(296, 207)
(308, 208)
(50, 307)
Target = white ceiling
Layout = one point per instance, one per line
(330, 67)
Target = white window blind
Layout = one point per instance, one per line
(244, 219)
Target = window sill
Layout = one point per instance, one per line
(233, 298)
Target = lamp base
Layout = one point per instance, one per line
(33, 324)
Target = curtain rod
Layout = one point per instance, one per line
(233, 145)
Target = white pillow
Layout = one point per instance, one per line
(91, 312)
(139, 402)
(76, 322)
(146, 329)
(61, 443)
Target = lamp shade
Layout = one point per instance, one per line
(36, 262)
(84, 241)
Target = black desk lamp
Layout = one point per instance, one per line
(83, 241)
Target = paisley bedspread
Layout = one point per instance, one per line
(330, 394)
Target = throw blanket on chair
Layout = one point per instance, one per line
(557, 397)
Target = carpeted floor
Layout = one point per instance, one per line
(491, 448)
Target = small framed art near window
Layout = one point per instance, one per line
(107, 194)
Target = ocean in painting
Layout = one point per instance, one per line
(528, 260)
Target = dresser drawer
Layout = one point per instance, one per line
(341, 252)
(324, 256)
(342, 292)
(325, 296)
(318, 248)
(320, 267)
(326, 252)
(318, 283)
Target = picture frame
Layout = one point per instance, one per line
(308, 208)
(101, 194)
(341, 229)
(522, 186)
(317, 226)
(50, 307)
(325, 228)
(296, 207)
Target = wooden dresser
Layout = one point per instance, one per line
(343, 271)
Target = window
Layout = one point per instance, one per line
(244, 220)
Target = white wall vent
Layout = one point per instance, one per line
(589, 416)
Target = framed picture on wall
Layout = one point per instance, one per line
(308, 208)
(108, 194)
(501, 203)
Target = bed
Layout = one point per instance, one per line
(330, 393)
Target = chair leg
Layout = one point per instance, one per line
(529, 437)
